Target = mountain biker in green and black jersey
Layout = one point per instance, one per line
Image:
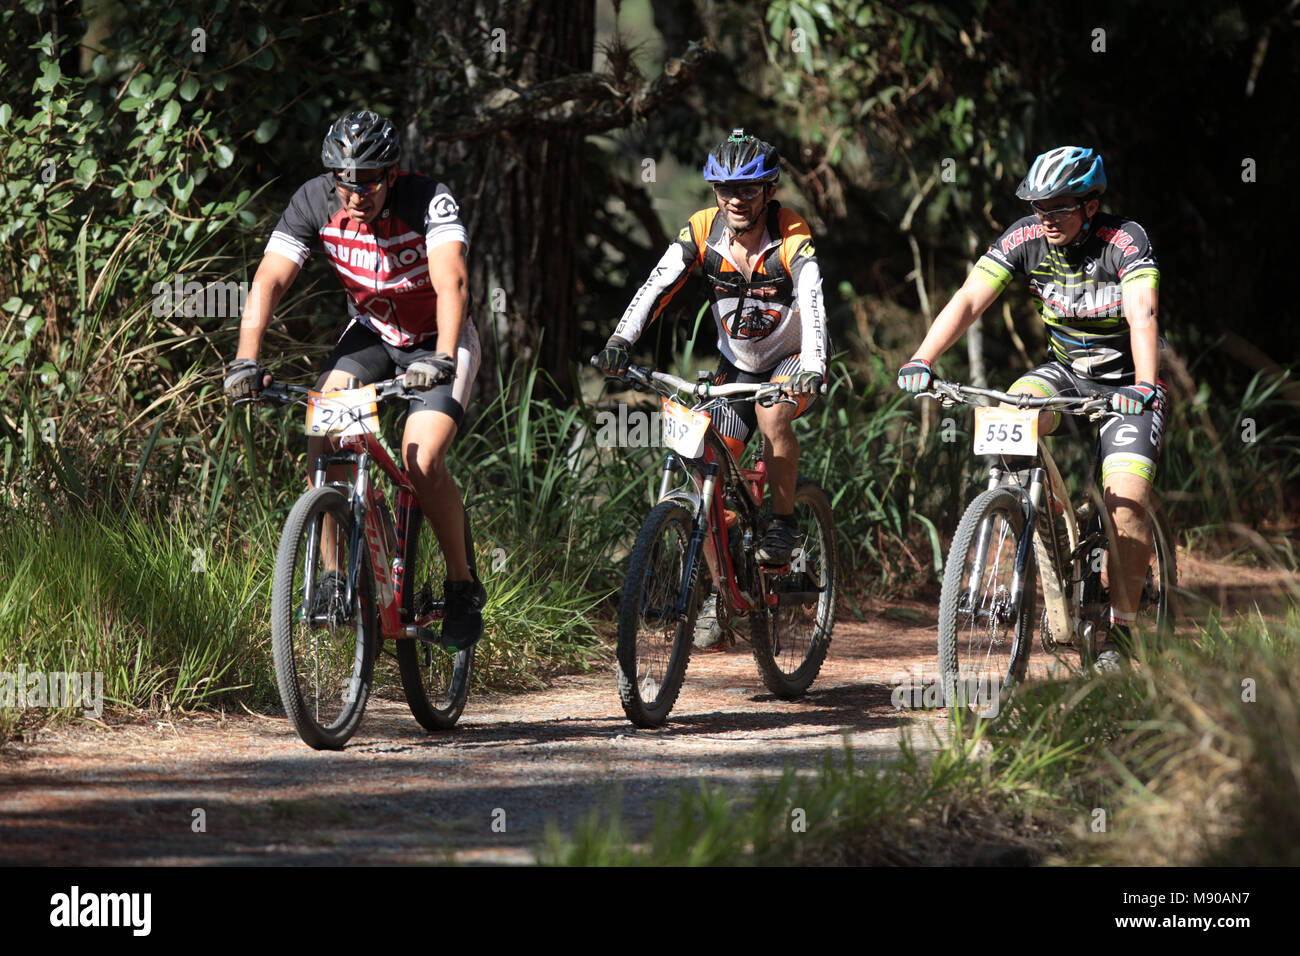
(1097, 281)
(397, 244)
(761, 268)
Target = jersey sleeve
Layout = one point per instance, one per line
(1007, 256)
(666, 278)
(442, 221)
(1129, 255)
(799, 256)
(299, 227)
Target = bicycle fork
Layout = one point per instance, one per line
(1030, 503)
(698, 535)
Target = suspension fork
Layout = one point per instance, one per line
(356, 539)
(982, 546)
(698, 535)
(1030, 503)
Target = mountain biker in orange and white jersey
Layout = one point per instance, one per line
(761, 268)
(1097, 281)
(396, 242)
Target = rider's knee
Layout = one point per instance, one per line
(425, 463)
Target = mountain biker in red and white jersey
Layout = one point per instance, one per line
(1096, 277)
(761, 268)
(396, 243)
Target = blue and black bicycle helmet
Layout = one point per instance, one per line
(741, 158)
(1064, 171)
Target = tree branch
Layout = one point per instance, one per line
(581, 101)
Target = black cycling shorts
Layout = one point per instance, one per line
(1129, 444)
(364, 355)
(737, 420)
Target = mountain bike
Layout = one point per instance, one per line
(1022, 521)
(710, 509)
(347, 576)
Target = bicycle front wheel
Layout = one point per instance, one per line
(435, 679)
(1156, 608)
(323, 647)
(790, 641)
(654, 634)
(984, 635)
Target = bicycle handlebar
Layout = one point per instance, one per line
(955, 393)
(765, 393)
(286, 392)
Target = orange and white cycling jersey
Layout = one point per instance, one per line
(779, 311)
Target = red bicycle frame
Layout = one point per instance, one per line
(387, 569)
(754, 483)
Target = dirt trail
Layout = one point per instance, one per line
(484, 791)
(84, 795)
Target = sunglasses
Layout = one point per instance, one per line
(1059, 213)
(743, 193)
(362, 189)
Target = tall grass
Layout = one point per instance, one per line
(169, 620)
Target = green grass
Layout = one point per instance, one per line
(1191, 758)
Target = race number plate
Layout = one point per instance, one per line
(1006, 431)
(684, 429)
(349, 411)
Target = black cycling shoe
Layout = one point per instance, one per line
(462, 621)
(331, 589)
(778, 543)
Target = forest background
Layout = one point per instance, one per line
(150, 147)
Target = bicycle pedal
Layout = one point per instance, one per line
(423, 634)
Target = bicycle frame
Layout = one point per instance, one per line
(708, 507)
(1059, 562)
(359, 452)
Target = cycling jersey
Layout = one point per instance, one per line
(1080, 290)
(384, 266)
(776, 313)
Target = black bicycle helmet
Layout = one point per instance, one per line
(361, 139)
(741, 158)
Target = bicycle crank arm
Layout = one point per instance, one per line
(424, 634)
(794, 598)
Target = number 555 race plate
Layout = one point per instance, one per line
(1006, 431)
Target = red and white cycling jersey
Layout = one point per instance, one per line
(384, 266)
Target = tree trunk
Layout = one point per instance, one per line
(519, 189)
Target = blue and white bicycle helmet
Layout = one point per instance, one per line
(741, 158)
(1064, 171)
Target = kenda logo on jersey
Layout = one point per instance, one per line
(1117, 237)
(1021, 235)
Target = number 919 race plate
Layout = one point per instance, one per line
(1006, 431)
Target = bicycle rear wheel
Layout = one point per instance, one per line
(984, 637)
(435, 679)
(654, 641)
(323, 649)
(790, 641)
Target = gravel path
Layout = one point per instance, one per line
(483, 792)
(486, 791)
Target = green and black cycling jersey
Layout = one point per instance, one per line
(1079, 288)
